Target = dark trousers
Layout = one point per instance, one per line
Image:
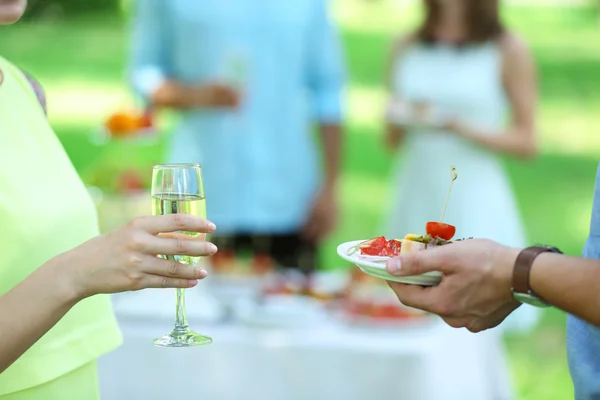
(288, 251)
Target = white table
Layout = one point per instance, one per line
(331, 361)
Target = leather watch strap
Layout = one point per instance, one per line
(523, 266)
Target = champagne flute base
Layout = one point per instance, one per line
(182, 338)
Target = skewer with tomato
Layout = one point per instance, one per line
(437, 234)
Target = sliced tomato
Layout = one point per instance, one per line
(440, 230)
(381, 247)
(374, 247)
(393, 248)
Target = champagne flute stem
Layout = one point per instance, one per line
(181, 323)
(180, 317)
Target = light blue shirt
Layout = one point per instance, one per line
(261, 163)
(583, 339)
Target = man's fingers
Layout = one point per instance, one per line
(172, 223)
(494, 319)
(414, 296)
(421, 262)
(479, 323)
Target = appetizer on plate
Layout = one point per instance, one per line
(436, 234)
(371, 255)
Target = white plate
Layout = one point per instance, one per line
(376, 259)
(377, 268)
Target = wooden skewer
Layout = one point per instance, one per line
(453, 177)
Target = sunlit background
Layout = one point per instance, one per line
(78, 50)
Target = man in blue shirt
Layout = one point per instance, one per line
(483, 282)
(252, 80)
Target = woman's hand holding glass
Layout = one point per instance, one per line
(126, 259)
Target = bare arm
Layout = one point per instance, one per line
(520, 83)
(323, 215)
(173, 94)
(151, 71)
(325, 73)
(30, 310)
(568, 283)
(475, 292)
(395, 133)
(331, 135)
(120, 261)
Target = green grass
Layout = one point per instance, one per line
(82, 62)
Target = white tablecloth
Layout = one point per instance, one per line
(330, 361)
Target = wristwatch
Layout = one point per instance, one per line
(520, 283)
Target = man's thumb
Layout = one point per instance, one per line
(417, 263)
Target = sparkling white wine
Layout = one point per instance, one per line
(173, 203)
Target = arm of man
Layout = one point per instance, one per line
(475, 291)
(569, 283)
(151, 72)
(326, 80)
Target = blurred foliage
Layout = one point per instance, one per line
(42, 9)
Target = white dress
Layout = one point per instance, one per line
(466, 83)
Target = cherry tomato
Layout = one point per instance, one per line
(440, 230)
(374, 247)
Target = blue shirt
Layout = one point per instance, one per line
(261, 163)
(583, 339)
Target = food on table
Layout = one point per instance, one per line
(145, 120)
(370, 299)
(294, 283)
(121, 124)
(262, 263)
(130, 181)
(227, 262)
(126, 124)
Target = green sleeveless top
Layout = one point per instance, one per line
(44, 211)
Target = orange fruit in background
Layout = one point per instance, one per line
(122, 124)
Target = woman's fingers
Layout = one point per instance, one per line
(179, 245)
(156, 282)
(172, 269)
(181, 235)
(173, 222)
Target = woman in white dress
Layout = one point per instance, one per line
(463, 93)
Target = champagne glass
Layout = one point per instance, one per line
(179, 188)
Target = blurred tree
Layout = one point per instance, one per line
(41, 8)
